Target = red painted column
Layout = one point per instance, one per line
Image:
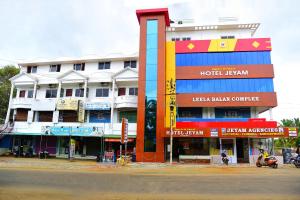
(161, 15)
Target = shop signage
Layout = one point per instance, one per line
(234, 71)
(97, 106)
(124, 134)
(253, 132)
(81, 112)
(227, 99)
(67, 104)
(214, 132)
(293, 132)
(188, 133)
(75, 131)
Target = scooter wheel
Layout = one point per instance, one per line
(275, 166)
(258, 165)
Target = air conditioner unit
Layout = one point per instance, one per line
(52, 86)
(104, 84)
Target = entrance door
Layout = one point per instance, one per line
(229, 146)
(242, 148)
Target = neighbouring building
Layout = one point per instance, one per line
(205, 85)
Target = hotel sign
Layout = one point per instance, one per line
(227, 99)
(189, 132)
(234, 71)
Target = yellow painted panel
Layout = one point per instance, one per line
(170, 80)
(222, 45)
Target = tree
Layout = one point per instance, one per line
(6, 73)
(289, 142)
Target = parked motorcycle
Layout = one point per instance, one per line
(225, 158)
(265, 160)
(295, 161)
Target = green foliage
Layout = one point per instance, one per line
(289, 142)
(5, 74)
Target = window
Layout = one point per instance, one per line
(102, 92)
(121, 91)
(130, 63)
(104, 65)
(79, 92)
(227, 37)
(31, 69)
(186, 38)
(22, 93)
(69, 92)
(79, 67)
(51, 93)
(232, 112)
(99, 116)
(130, 115)
(55, 68)
(189, 112)
(30, 94)
(45, 116)
(133, 91)
(175, 39)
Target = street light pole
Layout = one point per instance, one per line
(171, 137)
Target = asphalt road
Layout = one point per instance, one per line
(45, 184)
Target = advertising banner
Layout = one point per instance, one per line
(97, 106)
(124, 134)
(67, 104)
(223, 45)
(76, 131)
(188, 132)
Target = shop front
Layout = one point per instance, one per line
(205, 145)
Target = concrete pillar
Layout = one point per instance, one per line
(9, 104)
(112, 104)
(85, 88)
(58, 90)
(271, 113)
(34, 90)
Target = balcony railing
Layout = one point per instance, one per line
(21, 103)
(126, 101)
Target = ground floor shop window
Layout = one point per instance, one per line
(261, 143)
(215, 146)
(192, 146)
(228, 146)
(100, 116)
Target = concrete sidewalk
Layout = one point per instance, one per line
(93, 166)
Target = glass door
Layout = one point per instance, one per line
(229, 147)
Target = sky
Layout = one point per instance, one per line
(51, 29)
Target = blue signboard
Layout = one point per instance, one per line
(97, 106)
(76, 131)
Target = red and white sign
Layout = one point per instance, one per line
(124, 135)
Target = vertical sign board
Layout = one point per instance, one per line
(124, 134)
(81, 112)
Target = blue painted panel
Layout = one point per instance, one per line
(225, 85)
(224, 58)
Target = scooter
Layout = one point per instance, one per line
(295, 161)
(225, 159)
(265, 160)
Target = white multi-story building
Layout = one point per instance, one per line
(82, 101)
(50, 97)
